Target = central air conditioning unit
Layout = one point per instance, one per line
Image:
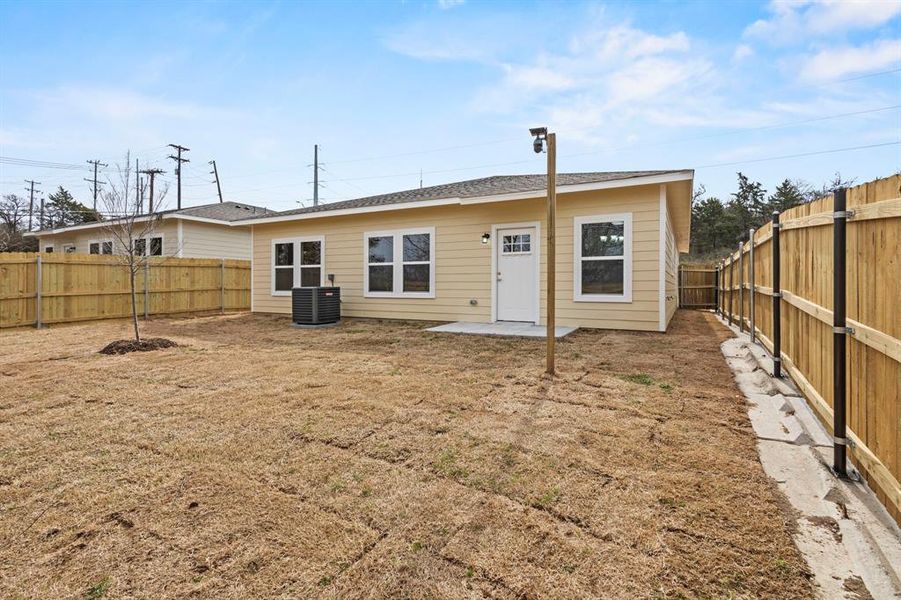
(312, 306)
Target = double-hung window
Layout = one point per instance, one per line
(148, 246)
(399, 263)
(603, 258)
(297, 263)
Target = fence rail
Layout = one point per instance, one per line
(788, 303)
(41, 288)
(697, 286)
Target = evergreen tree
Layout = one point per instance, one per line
(708, 226)
(788, 194)
(64, 210)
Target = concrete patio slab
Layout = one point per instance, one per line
(502, 328)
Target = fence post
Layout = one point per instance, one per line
(777, 301)
(146, 290)
(38, 284)
(751, 283)
(839, 331)
(741, 287)
(222, 288)
(716, 290)
(731, 286)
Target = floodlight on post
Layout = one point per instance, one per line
(542, 137)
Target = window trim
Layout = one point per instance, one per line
(49, 248)
(398, 263)
(626, 296)
(66, 248)
(297, 241)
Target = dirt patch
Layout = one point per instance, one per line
(376, 459)
(857, 589)
(829, 524)
(145, 345)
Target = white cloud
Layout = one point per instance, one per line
(616, 43)
(118, 104)
(742, 51)
(448, 4)
(835, 63)
(792, 22)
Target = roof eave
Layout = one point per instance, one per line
(684, 175)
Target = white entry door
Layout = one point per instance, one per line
(517, 274)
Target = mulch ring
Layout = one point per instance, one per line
(146, 345)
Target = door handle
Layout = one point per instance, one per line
(498, 275)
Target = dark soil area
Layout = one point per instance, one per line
(126, 346)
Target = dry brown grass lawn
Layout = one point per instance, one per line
(376, 460)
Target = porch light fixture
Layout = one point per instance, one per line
(486, 237)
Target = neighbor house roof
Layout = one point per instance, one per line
(224, 213)
(498, 185)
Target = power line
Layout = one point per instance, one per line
(802, 154)
(40, 164)
(418, 152)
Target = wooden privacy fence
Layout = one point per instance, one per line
(697, 286)
(839, 343)
(38, 289)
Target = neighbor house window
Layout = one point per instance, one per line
(603, 258)
(400, 263)
(155, 245)
(48, 248)
(297, 263)
(70, 249)
(106, 248)
(94, 248)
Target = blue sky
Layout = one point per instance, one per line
(448, 88)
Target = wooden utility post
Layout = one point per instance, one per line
(551, 248)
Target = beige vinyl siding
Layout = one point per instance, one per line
(463, 263)
(671, 271)
(205, 240)
(83, 238)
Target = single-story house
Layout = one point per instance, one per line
(475, 250)
(196, 232)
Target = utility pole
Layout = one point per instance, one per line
(96, 164)
(138, 187)
(316, 175)
(41, 220)
(178, 160)
(152, 173)
(31, 191)
(215, 174)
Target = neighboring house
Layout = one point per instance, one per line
(475, 250)
(194, 232)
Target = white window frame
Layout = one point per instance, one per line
(66, 248)
(518, 252)
(398, 264)
(626, 296)
(147, 239)
(297, 241)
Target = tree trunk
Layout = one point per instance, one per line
(134, 305)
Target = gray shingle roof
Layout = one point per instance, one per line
(224, 211)
(473, 188)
